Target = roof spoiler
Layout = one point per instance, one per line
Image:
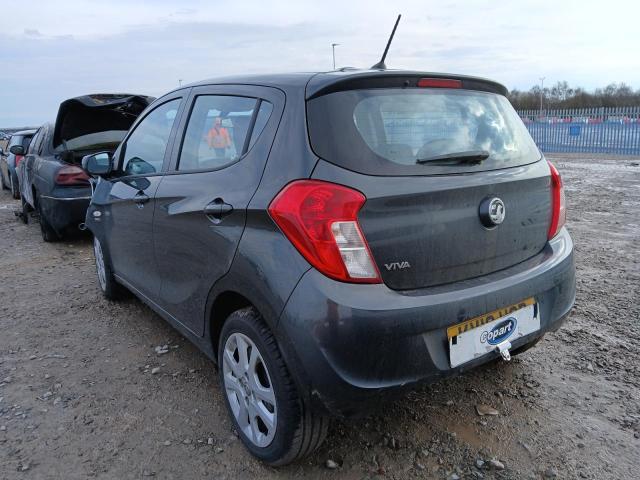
(369, 79)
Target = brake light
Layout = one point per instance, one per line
(72, 175)
(18, 159)
(320, 220)
(439, 83)
(558, 203)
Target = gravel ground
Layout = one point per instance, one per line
(78, 397)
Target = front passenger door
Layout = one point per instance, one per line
(25, 170)
(130, 204)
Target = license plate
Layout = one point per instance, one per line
(478, 336)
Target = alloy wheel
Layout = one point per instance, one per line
(102, 273)
(249, 390)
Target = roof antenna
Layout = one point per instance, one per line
(381, 65)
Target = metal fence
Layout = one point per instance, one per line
(586, 130)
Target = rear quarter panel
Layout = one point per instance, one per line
(267, 267)
(267, 264)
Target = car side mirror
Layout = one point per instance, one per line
(97, 164)
(17, 150)
(137, 166)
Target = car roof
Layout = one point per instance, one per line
(25, 132)
(278, 80)
(316, 82)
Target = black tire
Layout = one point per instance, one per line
(109, 287)
(26, 210)
(48, 233)
(299, 430)
(2, 185)
(15, 190)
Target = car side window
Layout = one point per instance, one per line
(25, 142)
(33, 146)
(42, 141)
(261, 121)
(145, 148)
(216, 132)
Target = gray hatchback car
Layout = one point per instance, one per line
(332, 239)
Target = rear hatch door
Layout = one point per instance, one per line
(431, 161)
(96, 120)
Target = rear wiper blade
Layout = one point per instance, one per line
(470, 156)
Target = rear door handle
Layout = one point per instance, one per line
(217, 209)
(140, 198)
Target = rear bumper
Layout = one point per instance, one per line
(66, 208)
(349, 344)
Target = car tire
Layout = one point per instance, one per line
(15, 190)
(26, 210)
(2, 184)
(48, 233)
(296, 429)
(110, 288)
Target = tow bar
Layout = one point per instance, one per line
(503, 348)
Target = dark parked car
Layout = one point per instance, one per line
(9, 161)
(330, 239)
(51, 178)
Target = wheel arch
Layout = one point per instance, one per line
(228, 296)
(221, 306)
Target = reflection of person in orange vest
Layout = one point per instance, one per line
(218, 138)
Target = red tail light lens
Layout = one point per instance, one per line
(320, 220)
(72, 175)
(439, 83)
(19, 159)
(558, 203)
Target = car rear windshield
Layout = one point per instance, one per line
(108, 139)
(392, 131)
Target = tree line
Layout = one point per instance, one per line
(562, 95)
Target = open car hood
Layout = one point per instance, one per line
(98, 112)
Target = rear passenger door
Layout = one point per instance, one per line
(216, 167)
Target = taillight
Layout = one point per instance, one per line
(72, 175)
(439, 83)
(19, 159)
(320, 220)
(558, 205)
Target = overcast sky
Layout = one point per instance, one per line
(53, 50)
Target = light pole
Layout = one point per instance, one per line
(333, 49)
(541, 93)
(180, 81)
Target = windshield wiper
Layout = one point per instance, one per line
(470, 156)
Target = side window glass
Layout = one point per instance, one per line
(25, 142)
(146, 146)
(35, 139)
(261, 121)
(33, 146)
(44, 135)
(216, 132)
